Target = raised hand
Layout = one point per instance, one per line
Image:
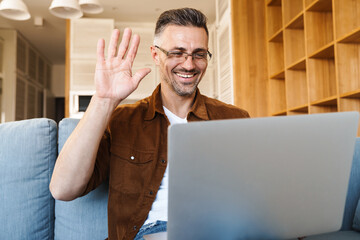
(113, 76)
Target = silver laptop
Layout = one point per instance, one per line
(262, 178)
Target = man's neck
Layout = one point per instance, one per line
(178, 105)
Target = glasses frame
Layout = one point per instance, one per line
(167, 53)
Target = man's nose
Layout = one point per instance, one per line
(189, 63)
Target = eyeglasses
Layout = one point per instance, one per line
(201, 55)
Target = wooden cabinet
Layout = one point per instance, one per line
(26, 75)
(313, 56)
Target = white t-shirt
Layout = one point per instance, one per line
(159, 208)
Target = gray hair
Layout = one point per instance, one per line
(180, 17)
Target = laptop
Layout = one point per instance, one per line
(261, 178)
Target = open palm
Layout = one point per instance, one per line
(113, 76)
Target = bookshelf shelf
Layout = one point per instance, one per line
(348, 64)
(274, 19)
(325, 52)
(304, 109)
(319, 22)
(314, 56)
(331, 101)
(319, 6)
(299, 65)
(297, 22)
(274, 2)
(276, 52)
(277, 37)
(353, 37)
(279, 75)
(281, 113)
(325, 105)
(291, 9)
(294, 45)
(277, 90)
(296, 88)
(322, 80)
(309, 2)
(354, 94)
(346, 13)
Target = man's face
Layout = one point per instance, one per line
(181, 74)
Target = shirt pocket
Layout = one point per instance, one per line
(130, 168)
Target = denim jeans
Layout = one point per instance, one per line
(158, 226)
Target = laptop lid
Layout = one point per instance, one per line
(261, 178)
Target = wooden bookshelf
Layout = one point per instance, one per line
(291, 9)
(313, 56)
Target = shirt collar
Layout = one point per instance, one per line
(199, 107)
(155, 105)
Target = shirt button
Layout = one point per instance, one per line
(151, 192)
(132, 158)
(135, 227)
(163, 161)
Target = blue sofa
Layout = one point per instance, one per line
(28, 150)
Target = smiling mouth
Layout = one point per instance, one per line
(186, 75)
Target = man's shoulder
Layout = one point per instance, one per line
(220, 110)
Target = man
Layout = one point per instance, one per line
(132, 153)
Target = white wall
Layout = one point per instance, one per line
(58, 80)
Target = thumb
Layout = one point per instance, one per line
(139, 75)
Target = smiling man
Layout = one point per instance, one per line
(127, 144)
(179, 69)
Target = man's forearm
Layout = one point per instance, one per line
(114, 81)
(76, 160)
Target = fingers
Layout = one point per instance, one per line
(139, 75)
(100, 50)
(133, 49)
(123, 47)
(124, 42)
(113, 43)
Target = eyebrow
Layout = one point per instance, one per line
(184, 50)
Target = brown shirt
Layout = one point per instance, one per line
(133, 155)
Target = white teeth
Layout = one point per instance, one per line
(185, 76)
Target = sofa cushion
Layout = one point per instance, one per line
(27, 157)
(86, 217)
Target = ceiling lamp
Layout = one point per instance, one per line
(91, 6)
(65, 9)
(14, 9)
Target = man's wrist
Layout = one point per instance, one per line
(105, 103)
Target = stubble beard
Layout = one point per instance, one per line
(183, 90)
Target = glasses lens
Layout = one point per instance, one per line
(201, 56)
(176, 54)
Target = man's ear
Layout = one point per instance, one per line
(155, 55)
